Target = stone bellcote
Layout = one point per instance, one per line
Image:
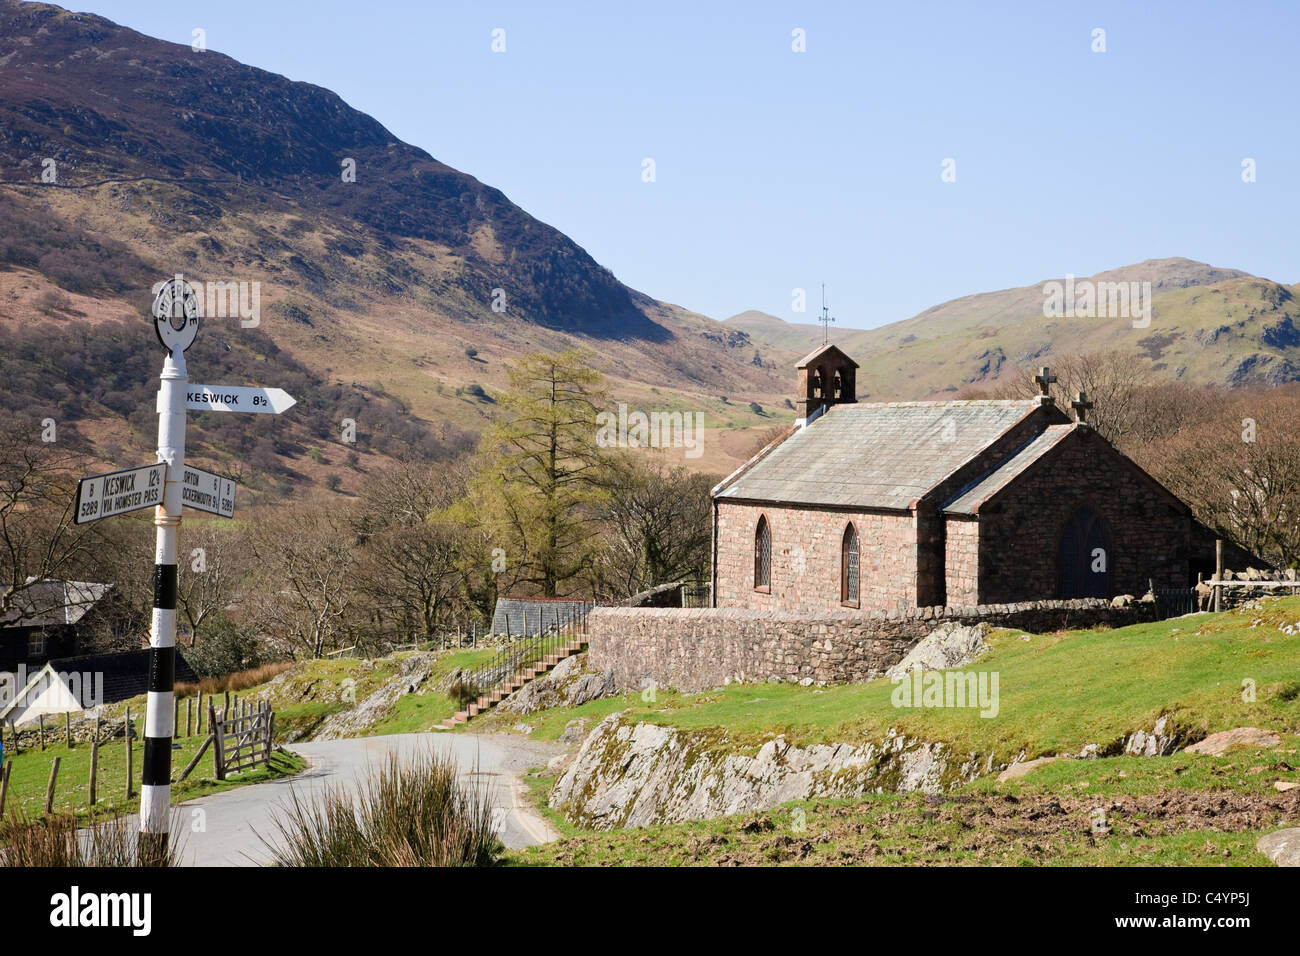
(826, 377)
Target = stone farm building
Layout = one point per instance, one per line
(900, 505)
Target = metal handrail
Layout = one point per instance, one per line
(513, 659)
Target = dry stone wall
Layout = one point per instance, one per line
(696, 649)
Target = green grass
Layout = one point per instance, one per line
(1057, 692)
(31, 773)
(415, 713)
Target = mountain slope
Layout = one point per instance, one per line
(1207, 325)
(168, 160)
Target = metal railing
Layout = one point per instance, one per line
(697, 595)
(514, 658)
(1175, 602)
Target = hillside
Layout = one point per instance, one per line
(381, 289)
(1208, 325)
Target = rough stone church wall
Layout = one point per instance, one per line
(961, 561)
(1150, 533)
(697, 649)
(806, 558)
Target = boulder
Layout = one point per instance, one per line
(1281, 846)
(1216, 744)
(1023, 768)
(947, 646)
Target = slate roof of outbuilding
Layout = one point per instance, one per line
(50, 603)
(876, 455)
(126, 674)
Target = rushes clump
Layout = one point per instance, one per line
(409, 812)
(62, 840)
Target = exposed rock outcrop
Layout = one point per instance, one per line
(628, 775)
(355, 721)
(637, 774)
(948, 645)
(572, 682)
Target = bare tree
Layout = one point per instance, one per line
(411, 574)
(39, 538)
(655, 526)
(213, 567)
(1239, 469)
(306, 595)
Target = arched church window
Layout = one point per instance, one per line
(849, 566)
(762, 555)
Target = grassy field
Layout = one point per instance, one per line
(1057, 692)
(30, 775)
(420, 712)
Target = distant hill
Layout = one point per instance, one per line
(381, 290)
(1208, 325)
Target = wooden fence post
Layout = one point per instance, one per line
(67, 727)
(42, 731)
(189, 716)
(49, 790)
(4, 785)
(1218, 573)
(94, 768)
(129, 790)
(218, 744)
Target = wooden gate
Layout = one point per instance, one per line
(242, 740)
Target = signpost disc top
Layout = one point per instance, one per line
(176, 315)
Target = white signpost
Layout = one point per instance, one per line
(208, 492)
(168, 486)
(237, 398)
(117, 492)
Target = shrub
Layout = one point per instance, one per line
(411, 812)
(60, 840)
(224, 649)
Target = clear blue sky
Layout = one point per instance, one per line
(778, 169)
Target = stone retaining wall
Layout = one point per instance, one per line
(699, 648)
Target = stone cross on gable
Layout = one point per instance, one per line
(1044, 378)
(1081, 405)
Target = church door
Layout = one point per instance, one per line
(1084, 557)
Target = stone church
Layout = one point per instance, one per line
(915, 504)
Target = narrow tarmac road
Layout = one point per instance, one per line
(230, 829)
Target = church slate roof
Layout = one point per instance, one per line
(876, 455)
(968, 500)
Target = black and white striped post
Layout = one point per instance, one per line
(176, 321)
